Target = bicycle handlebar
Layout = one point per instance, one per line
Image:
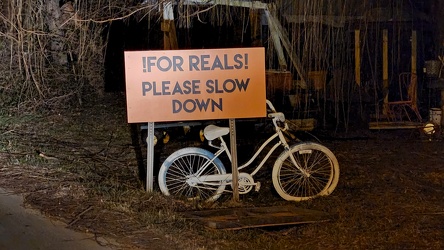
(277, 116)
(270, 105)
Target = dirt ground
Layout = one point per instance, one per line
(80, 165)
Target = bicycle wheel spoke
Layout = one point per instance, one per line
(312, 172)
(181, 167)
(179, 175)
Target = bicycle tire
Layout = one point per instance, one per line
(183, 163)
(321, 164)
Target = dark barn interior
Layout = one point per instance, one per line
(330, 86)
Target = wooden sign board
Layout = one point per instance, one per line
(179, 85)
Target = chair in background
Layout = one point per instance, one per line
(406, 104)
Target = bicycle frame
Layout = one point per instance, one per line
(277, 117)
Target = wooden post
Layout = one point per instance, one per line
(385, 82)
(276, 40)
(233, 148)
(168, 27)
(357, 57)
(414, 65)
(255, 21)
(414, 51)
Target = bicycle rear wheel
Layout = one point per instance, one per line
(175, 172)
(320, 164)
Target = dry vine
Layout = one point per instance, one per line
(55, 49)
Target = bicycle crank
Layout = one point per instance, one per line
(246, 183)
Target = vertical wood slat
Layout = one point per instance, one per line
(414, 51)
(385, 81)
(414, 70)
(168, 27)
(358, 57)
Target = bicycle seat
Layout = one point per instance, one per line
(212, 132)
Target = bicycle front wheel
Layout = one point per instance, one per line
(178, 169)
(319, 177)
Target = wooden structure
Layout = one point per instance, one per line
(322, 81)
(394, 111)
(279, 35)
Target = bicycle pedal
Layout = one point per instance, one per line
(257, 187)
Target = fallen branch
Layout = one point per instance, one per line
(78, 217)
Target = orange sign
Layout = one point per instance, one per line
(178, 85)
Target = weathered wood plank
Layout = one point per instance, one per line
(395, 125)
(336, 21)
(234, 3)
(385, 81)
(241, 218)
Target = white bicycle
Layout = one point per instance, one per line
(302, 171)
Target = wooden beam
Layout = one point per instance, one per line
(395, 125)
(330, 20)
(414, 51)
(357, 57)
(169, 35)
(168, 27)
(414, 70)
(385, 82)
(234, 3)
(286, 42)
(276, 40)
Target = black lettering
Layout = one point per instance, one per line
(150, 63)
(218, 90)
(155, 92)
(191, 105)
(241, 85)
(167, 60)
(238, 59)
(202, 105)
(187, 87)
(177, 89)
(204, 62)
(217, 64)
(144, 63)
(186, 106)
(196, 86)
(165, 87)
(227, 66)
(210, 87)
(177, 106)
(214, 104)
(146, 87)
(177, 63)
(194, 63)
(229, 86)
